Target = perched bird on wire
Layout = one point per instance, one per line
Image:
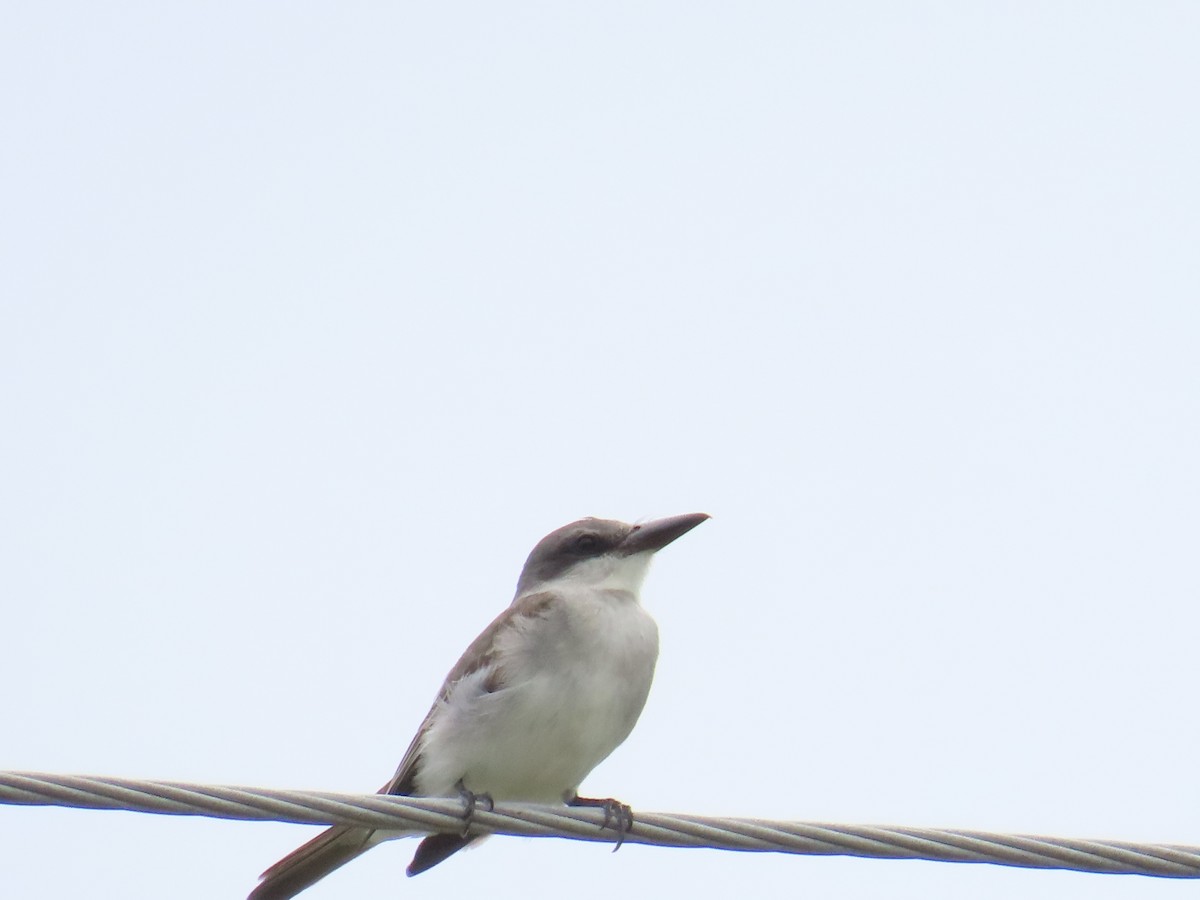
(539, 699)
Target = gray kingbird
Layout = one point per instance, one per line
(538, 700)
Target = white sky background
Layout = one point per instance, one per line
(315, 317)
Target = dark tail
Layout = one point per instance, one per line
(435, 849)
(307, 865)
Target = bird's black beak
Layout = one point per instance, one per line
(653, 536)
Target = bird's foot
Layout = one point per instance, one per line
(616, 814)
(472, 801)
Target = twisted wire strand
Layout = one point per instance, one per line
(660, 829)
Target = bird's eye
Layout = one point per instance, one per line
(586, 543)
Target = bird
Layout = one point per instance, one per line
(545, 693)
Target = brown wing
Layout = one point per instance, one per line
(336, 846)
(479, 655)
(437, 848)
(309, 863)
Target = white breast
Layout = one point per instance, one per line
(575, 680)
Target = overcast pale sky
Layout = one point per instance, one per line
(315, 317)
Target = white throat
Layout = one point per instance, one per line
(623, 574)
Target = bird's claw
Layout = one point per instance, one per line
(472, 801)
(618, 815)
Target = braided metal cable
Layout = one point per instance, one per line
(660, 829)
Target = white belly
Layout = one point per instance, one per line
(574, 684)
